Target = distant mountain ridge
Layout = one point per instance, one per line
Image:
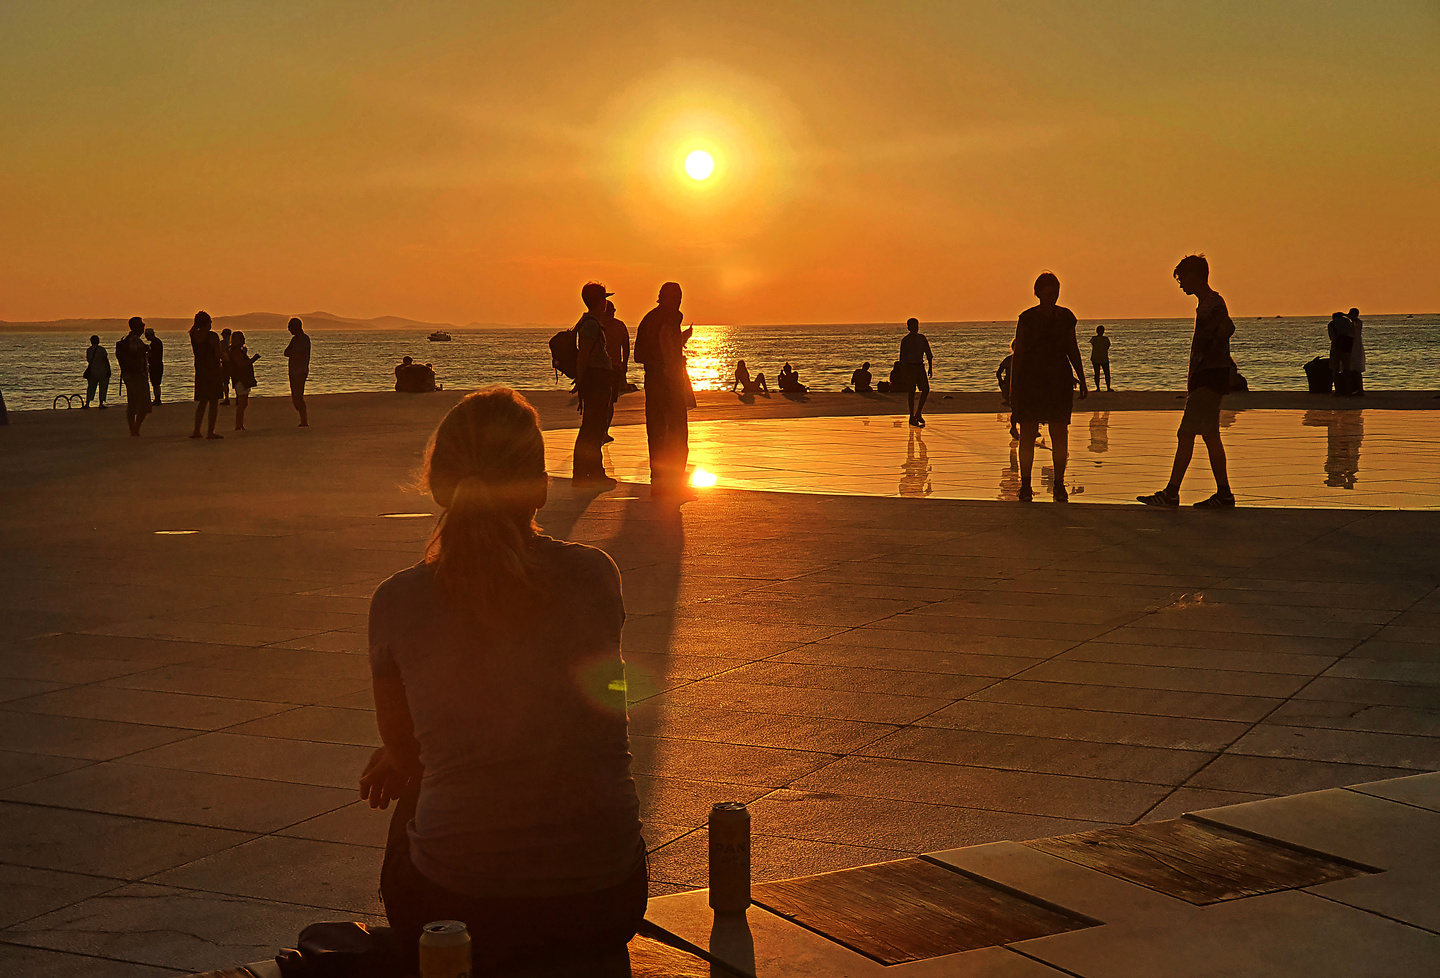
(246, 321)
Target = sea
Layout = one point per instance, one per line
(1402, 353)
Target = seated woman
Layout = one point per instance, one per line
(500, 699)
(412, 378)
(860, 379)
(745, 384)
(789, 380)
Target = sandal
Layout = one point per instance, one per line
(1061, 494)
(1161, 498)
(1025, 495)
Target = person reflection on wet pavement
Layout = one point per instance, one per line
(1344, 433)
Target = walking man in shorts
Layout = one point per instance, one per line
(917, 365)
(1207, 381)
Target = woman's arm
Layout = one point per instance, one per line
(395, 765)
(1073, 355)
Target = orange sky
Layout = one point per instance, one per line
(478, 162)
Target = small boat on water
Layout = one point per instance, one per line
(440, 336)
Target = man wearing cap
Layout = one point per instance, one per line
(131, 354)
(595, 385)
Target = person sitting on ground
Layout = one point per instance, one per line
(430, 384)
(500, 699)
(402, 373)
(789, 380)
(1002, 373)
(745, 384)
(861, 379)
(414, 378)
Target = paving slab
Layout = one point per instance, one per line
(762, 943)
(1387, 835)
(37, 963)
(1281, 934)
(191, 797)
(116, 846)
(1421, 790)
(163, 926)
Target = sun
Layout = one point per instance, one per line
(699, 165)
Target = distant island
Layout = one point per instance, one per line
(248, 322)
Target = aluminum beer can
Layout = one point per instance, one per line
(729, 856)
(445, 950)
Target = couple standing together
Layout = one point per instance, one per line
(1047, 367)
(603, 348)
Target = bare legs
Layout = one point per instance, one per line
(1185, 450)
(200, 415)
(916, 410)
(297, 397)
(241, 402)
(1059, 453)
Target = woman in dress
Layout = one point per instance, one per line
(242, 374)
(1042, 379)
(209, 373)
(97, 372)
(500, 699)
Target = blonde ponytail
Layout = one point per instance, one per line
(485, 465)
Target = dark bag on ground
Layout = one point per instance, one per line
(565, 353)
(1318, 375)
(342, 949)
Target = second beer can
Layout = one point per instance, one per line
(445, 950)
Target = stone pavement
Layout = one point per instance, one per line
(1329, 884)
(184, 713)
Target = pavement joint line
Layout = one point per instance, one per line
(1370, 911)
(9, 940)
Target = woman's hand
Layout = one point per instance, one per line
(386, 777)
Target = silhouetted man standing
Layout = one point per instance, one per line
(1100, 356)
(1207, 381)
(595, 386)
(660, 347)
(297, 353)
(917, 365)
(130, 355)
(156, 360)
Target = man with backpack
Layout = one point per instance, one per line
(595, 385)
(660, 348)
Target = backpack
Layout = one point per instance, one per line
(565, 352)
